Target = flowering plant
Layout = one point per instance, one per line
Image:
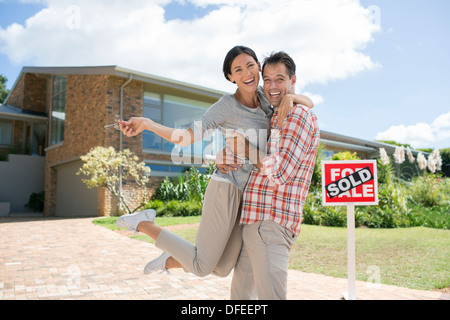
(105, 167)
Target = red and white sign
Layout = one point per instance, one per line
(349, 182)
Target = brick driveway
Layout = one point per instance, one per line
(50, 258)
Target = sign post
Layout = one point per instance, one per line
(350, 183)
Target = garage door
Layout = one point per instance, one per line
(73, 198)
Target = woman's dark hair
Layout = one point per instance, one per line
(281, 57)
(232, 54)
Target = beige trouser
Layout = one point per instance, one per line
(219, 237)
(262, 269)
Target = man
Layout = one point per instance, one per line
(273, 199)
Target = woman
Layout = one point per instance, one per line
(219, 235)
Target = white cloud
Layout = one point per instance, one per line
(316, 98)
(442, 122)
(325, 37)
(421, 135)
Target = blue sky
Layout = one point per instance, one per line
(386, 78)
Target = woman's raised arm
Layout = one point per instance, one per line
(136, 125)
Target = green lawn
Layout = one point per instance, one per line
(416, 258)
(110, 222)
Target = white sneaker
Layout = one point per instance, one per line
(131, 221)
(159, 264)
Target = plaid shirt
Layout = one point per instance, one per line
(279, 191)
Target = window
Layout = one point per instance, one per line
(166, 169)
(5, 133)
(327, 154)
(153, 110)
(175, 112)
(180, 113)
(58, 114)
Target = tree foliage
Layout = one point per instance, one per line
(3, 91)
(103, 167)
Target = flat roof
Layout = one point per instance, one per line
(124, 73)
(336, 139)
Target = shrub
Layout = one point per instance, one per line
(312, 206)
(346, 155)
(36, 202)
(183, 197)
(316, 178)
(190, 186)
(429, 190)
(392, 196)
(175, 208)
(431, 217)
(375, 217)
(385, 172)
(170, 191)
(334, 216)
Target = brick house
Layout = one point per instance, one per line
(60, 113)
(54, 115)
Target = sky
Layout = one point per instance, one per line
(375, 69)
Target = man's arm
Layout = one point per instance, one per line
(226, 161)
(293, 142)
(241, 147)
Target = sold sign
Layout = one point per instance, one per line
(349, 182)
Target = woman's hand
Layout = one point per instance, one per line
(134, 126)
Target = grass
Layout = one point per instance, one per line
(416, 258)
(110, 222)
(189, 234)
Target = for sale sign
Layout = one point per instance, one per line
(349, 182)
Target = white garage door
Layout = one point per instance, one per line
(73, 198)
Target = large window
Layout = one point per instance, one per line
(168, 169)
(58, 114)
(175, 112)
(153, 109)
(5, 133)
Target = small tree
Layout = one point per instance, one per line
(103, 166)
(3, 91)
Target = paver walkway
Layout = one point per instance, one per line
(50, 258)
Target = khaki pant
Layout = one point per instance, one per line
(219, 237)
(262, 269)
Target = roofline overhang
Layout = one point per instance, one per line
(348, 146)
(113, 70)
(11, 115)
(375, 146)
(120, 72)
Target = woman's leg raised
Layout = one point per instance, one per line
(219, 215)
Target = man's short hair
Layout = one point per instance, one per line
(281, 57)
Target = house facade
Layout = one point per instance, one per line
(60, 113)
(54, 115)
